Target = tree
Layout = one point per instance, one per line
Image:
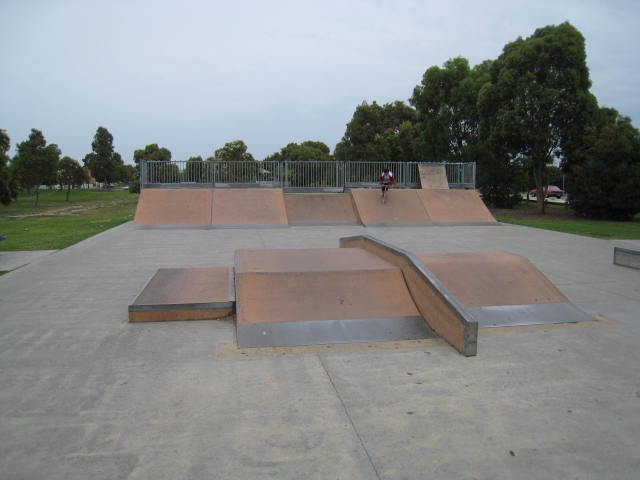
(448, 118)
(103, 161)
(235, 151)
(378, 134)
(8, 191)
(127, 173)
(70, 174)
(36, 162)
(605, 170)
(233, 164)
(307, 174)
(537, 97)
(308, 150)
(152, 152)
(196, 170)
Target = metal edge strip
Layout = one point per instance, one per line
(321, 332)
(181, 306)
(528, 314)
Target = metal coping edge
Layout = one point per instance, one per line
(470, 324)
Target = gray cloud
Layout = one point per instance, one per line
(194, 74)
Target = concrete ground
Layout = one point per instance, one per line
(12, 260)
(84, 394)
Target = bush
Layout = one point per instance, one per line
(134, 186)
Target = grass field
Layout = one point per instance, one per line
(56, 224)
(562, 219)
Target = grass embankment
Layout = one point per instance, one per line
(562, 219)
(56, 223)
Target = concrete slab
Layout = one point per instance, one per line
(455, 206)
(174, 206)
(12, 260)
(185, 294)
(319, 296)
(402, 208)
(320, 209)
(433, 176)
(239, 207)
(85, 394)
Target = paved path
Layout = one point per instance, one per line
(87, 395)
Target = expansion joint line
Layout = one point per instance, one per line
(353, 426)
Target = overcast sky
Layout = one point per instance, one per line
(191, 75)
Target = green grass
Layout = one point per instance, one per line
(56, 224)
(562, 219)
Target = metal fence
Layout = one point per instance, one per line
(292, 176)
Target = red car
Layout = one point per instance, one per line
(551, 191)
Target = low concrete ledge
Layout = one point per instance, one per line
(440, 309)
(626, 257)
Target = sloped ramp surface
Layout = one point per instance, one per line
(174, 206)
(402, 208)
(320, 209)
(255, 207)
(455, 207)
(313, 297)
(433, 176)
(502, 289)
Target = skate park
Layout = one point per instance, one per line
(88, 391)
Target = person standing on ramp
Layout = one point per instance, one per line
(386, 180)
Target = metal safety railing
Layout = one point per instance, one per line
(292, 176)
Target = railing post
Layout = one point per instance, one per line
(474, 175)
(141, 173)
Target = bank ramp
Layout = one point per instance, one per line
(248, 207)
(502, 289)
(321, 296)
(433, 176)
(174, 207)
(402, 207)
(455, 207)
(321, 209)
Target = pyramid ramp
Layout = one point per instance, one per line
(320, 209)
(455, 207)
(321, 296)
(502, 289)
(174, 207)
(249, 207)
(401, 208)
(433, 176)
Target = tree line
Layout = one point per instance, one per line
(37, 163)
(516, 117)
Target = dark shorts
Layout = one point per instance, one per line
(385, 187)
